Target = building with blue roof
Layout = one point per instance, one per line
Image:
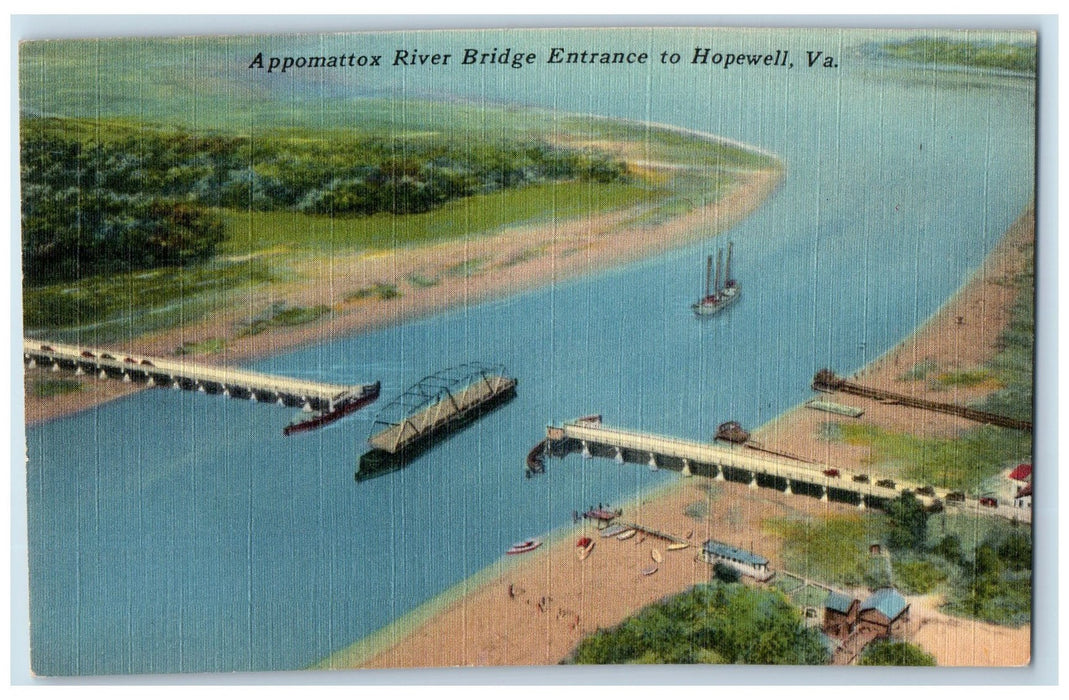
(886, 613)
(745, 561)
(840, 615)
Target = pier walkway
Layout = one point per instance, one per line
(190, 376)
(592, 438)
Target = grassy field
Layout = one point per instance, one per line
(253, 232)
(106, 308)
(833, 550)
(962, 463)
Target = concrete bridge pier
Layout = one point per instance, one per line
(861, 503)
(586, 450)
(686, 468)
(653, 462)
(718, 473)
(619, 456)
(753, 480)
(824, 493)
(787, 491)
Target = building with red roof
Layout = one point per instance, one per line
(1022, 472)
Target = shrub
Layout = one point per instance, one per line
(891, 653)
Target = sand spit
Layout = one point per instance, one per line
(466, 271)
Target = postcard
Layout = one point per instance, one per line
(521, 347)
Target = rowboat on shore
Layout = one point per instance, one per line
(612, 530)
(524, 547)
(678, 545)
(657, 556)
(649, 570)
(626, 534)
(583, 547)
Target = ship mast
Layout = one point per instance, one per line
(719, 261)
(727, 276)
(708, 273)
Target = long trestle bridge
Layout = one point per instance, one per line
(189, 376)
(589, 437)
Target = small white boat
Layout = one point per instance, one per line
(678, 545)
(657, 556)
(649, 570)
(626, 534)
(583, 547)
(612, 531)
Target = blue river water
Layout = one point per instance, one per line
(173, 531)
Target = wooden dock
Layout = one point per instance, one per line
(826, 380)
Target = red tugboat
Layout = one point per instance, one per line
(342, 407)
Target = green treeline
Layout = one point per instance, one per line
(1020, 57)
(886, 652)
(715, 623)
(114, 197)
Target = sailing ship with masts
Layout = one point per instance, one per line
(717, 297)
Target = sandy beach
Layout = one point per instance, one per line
(499, 264)
(558, 599)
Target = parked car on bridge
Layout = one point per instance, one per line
(833, 473)
(861, 478)
(989, 501)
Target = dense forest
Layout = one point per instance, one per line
(715, 623)
(117, 198)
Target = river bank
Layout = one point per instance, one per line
(431, 279)
(535, 612)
